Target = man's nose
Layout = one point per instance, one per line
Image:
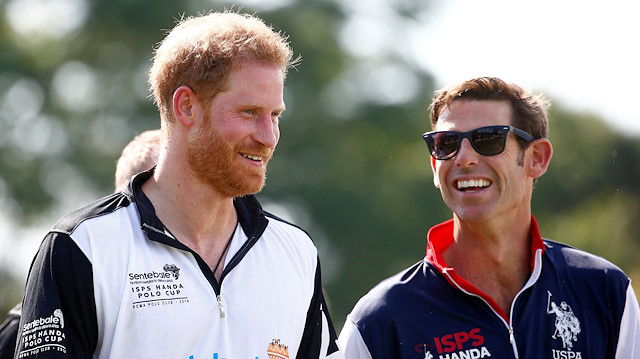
(267, 132)
(466, 155)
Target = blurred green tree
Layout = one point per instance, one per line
(351, 166)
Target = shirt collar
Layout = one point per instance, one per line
(440, 237)
(250, 214)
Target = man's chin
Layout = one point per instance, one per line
(251, 188)
(247, 187)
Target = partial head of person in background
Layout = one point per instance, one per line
(139, 155)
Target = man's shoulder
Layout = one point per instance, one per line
(384, 319)
(255, 221)
(393, 295)
(100, 207)
(575, 258)
(578, 263)
(286, 225)
(289, 240)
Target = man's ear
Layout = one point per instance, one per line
(541, 152)
(436, 181)
(186, 105)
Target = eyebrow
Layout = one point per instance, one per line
(256, 105)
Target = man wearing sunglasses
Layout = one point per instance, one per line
(490, 285)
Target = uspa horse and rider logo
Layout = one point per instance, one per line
(567, 327)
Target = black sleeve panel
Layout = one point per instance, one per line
(9, 332)
(58, 311)
(319, 339)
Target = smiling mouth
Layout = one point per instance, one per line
(472, 185)
(252, 157)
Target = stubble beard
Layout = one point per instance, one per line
(216, 163)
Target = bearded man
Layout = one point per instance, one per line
(184, 263)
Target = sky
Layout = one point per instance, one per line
(583, 54)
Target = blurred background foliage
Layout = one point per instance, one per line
(351, 166)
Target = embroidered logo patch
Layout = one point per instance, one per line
(276, 350)
(42, 335)
(173, 269)
(566, 323)
(154, 288)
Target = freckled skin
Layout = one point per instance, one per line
(240, 122)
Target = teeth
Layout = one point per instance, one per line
(253, 158)
(473, 184)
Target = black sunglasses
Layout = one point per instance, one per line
(487, 141)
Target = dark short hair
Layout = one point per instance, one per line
(529, 110)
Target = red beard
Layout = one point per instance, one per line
(218, 164)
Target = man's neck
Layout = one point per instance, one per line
(494, 256)
(193, 212)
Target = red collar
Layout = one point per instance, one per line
(440, 238)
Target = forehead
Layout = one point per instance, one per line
(465, 115)
(251, 73)
(255, 82)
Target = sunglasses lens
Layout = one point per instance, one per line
(489, 141)
(443, 144)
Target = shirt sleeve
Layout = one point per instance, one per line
(8, 332)
(351, 342)
(319, 339)
(58, 311)
(629, 339)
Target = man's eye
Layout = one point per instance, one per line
(249, 111)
